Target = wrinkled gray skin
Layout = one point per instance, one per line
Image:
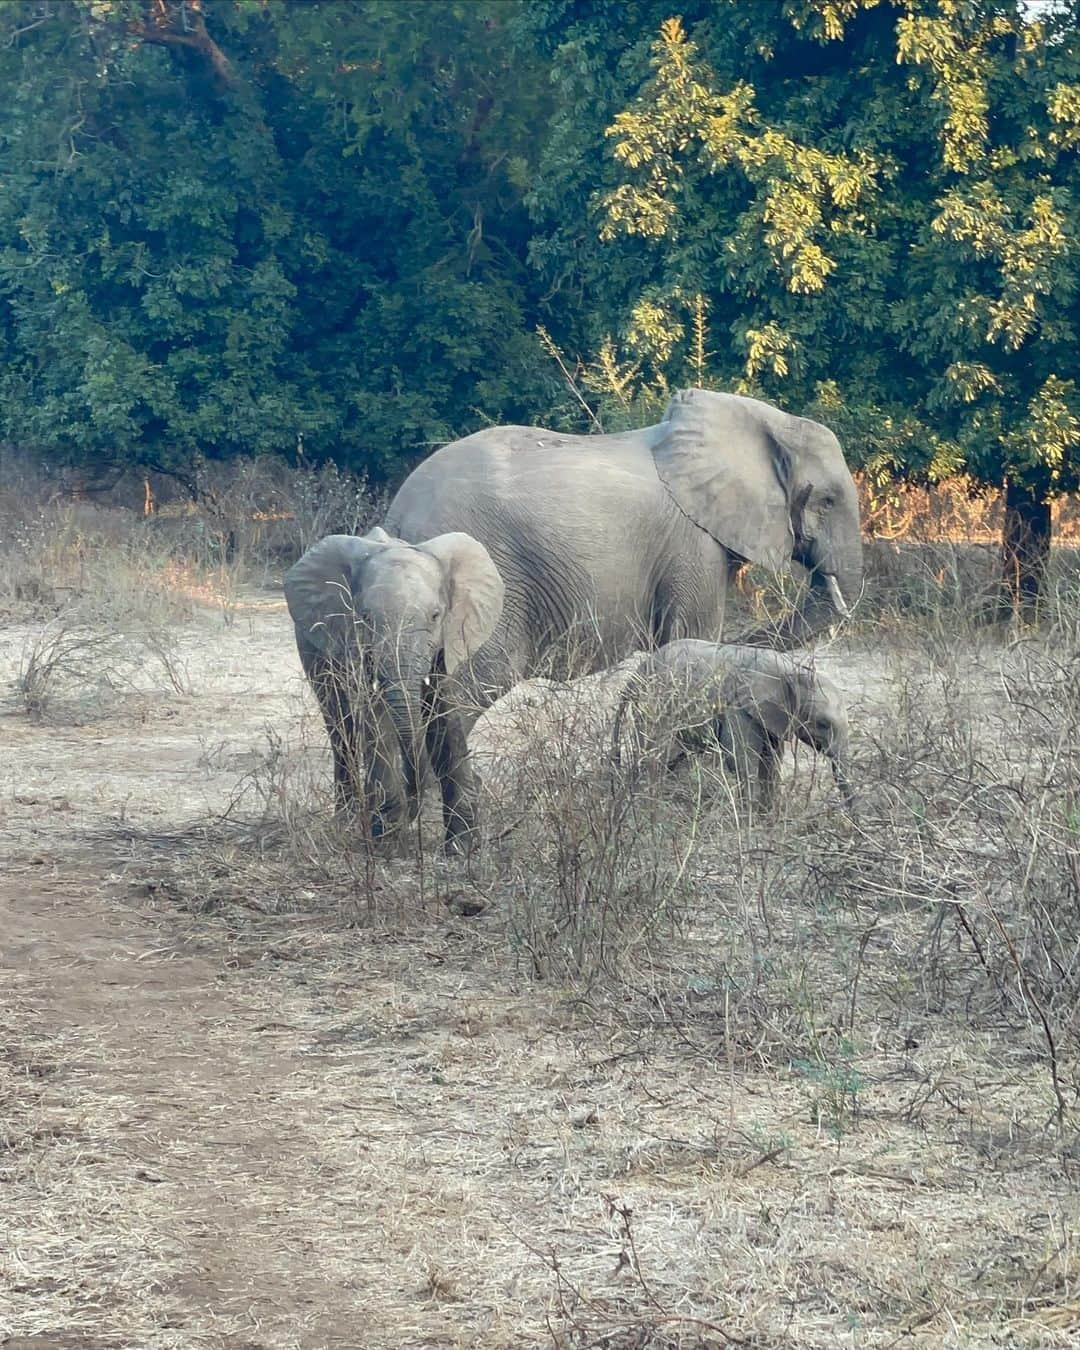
(747, 702)
(381, 625)
(631, 539)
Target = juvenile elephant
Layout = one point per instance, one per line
(619, 542)
(747, 702)
(381, 627)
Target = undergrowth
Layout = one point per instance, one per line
(800, 941)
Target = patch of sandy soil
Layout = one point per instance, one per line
(285, 1131)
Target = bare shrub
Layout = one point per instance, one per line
(956, 510)
(60, 546)
(283, 843)
(953, 895)
(587, 866)
(255, 514)
(802, 941)
(80, 666)
(59, 555)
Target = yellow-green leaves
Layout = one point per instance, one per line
(884, 204)
(968, 379)
(767, 350)
(827, 19)
(801, 193)
(1027, 255)
(1052, 429)
(957, 60)
(1063, 105)
(654, 330)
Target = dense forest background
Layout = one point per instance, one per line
(353, 229)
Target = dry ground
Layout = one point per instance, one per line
(227, 1127)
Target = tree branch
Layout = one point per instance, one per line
(161, 32)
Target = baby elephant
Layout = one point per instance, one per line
(747, 702)
(381, 627)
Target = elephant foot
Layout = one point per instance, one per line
(386, 823)
(462, 837)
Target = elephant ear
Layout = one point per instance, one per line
(476, 595)
(721, 459)
(320, 586)
(771, 699)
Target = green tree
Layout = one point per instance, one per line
(990, 307)
(875, 202)
(227, 224)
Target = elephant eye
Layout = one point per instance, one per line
(828, 501)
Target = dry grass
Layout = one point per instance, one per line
(647, 1072)
(951, 512)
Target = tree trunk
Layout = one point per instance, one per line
(1025, 549)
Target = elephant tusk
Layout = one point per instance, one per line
(835, 595)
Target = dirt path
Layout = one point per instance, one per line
(300, 1137)
(218, 1156)
(160, 1123)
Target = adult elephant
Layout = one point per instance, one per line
(631, 537)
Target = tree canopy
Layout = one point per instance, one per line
(878, 204)
(229, 226)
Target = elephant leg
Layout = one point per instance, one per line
(341, 729)
(743, 746)
(655, 745)
(484, 679)
(677, 749)
(769, 772)
(676, 757)
(447, 745)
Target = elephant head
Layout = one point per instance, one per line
(398, 617)
(788, 699)
(821, 722)
(769, 488)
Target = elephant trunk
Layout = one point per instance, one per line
(829, 737)
(840, 758)
(403, 705)
(815, 613)
(842, 775)
(828, 596)
(843, 574)
(824, 602)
